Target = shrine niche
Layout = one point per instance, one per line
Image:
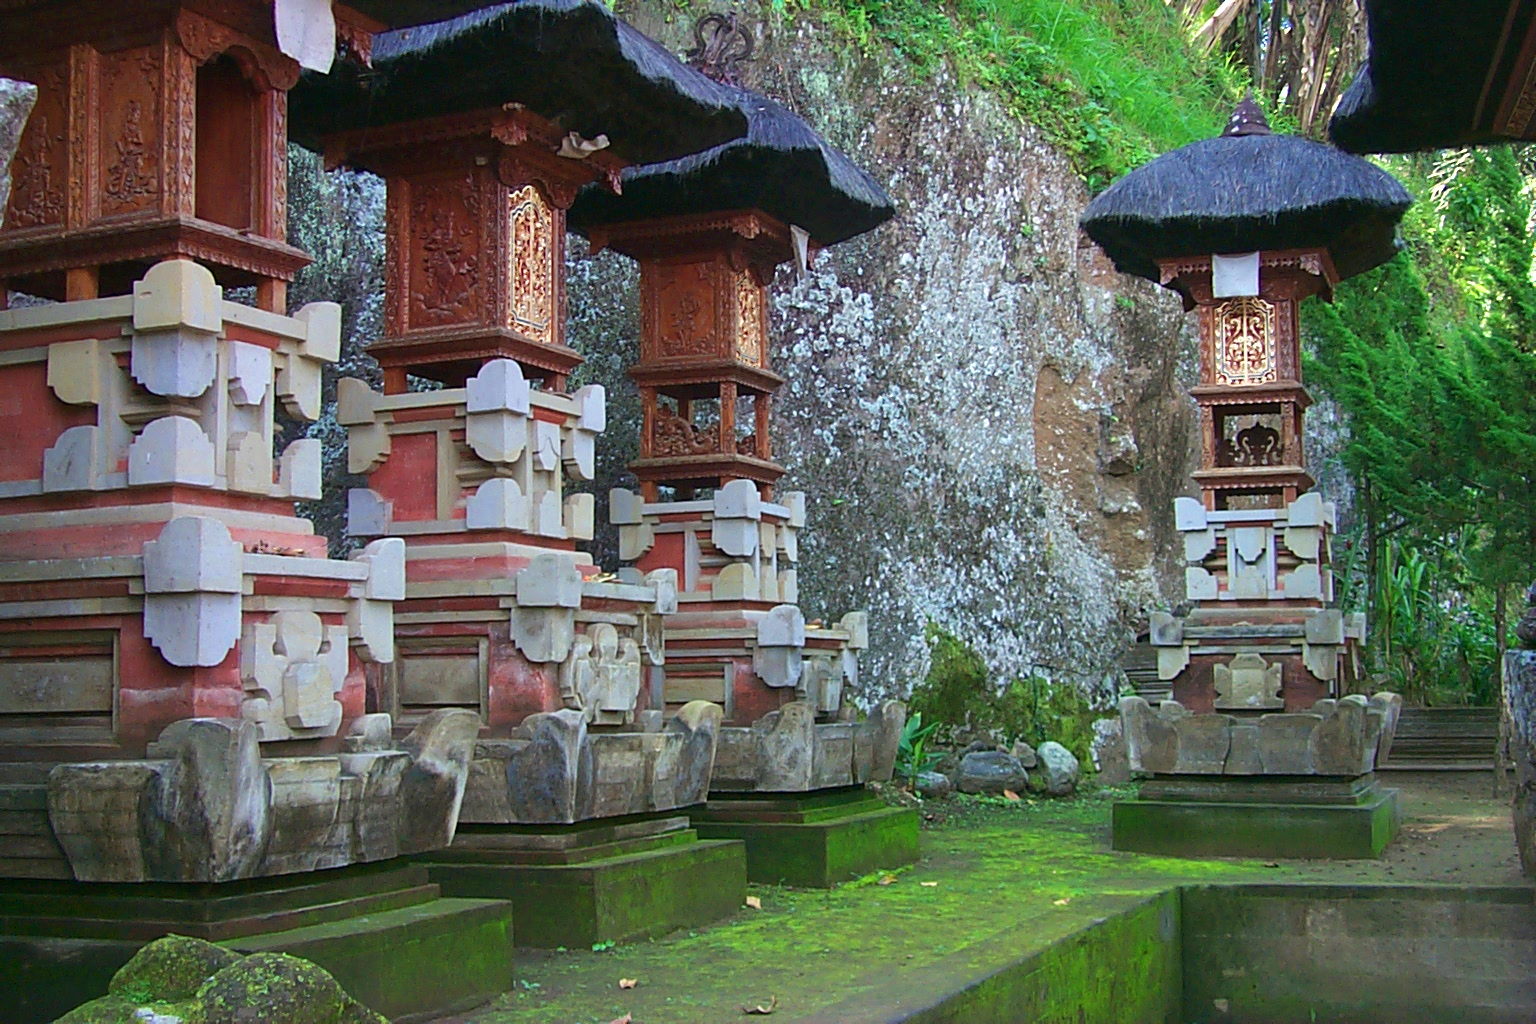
(158, 135)
(1260, 665)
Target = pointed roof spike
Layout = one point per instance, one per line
(1247, 119)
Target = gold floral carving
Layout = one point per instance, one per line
(1245, 342)
(533, 269)
(749, 315)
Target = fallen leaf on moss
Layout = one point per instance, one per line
(930, 885)
(754, 903)
(887, 880)
(628, 982)
(1009, 794)
(1063, 901)
(763, 1010)
(626, 1019)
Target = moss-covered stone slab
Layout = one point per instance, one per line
(637, 889)
(814, 840)
(1204, 828)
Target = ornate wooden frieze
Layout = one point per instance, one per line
(532, 309)
(679, 308)
(41, 167)
(673, 435)
(444, 250)
(1245, 342)
(129, 130)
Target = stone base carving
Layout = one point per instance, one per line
(1520, 704)
(207, 807)
(1342, 737)
(788, 751)
(554, 770)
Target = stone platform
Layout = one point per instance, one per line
(813, 839)
(599, 881)
(382, 930)
(1266, 816)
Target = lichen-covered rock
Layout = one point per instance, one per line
(934, 785)
(16, 100)
(991, 772)
(1109, 753)
(170, 969)
(180, 980)
(1058, 770)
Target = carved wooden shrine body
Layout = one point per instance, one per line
(503, 614)
(738, 639)
(160, 131)
(1263, 635)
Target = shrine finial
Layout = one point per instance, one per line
(724, 42)
(1247, 119)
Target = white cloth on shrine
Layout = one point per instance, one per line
(1235, 275)
(306, 31)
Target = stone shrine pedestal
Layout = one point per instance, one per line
(1297, 785)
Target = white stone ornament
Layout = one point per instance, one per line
(292, 667)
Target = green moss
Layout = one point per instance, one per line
(171, 968)
(821, 853)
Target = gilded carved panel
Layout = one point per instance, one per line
(533, 267)
(749, 316)
(1245, 342)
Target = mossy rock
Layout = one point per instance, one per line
(275, 988)
(170, 969)
(188, 981)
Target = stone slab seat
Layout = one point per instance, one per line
(382, 929)
(597, 882)
(1208, 828)
(815, 839)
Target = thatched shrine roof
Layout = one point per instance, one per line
(570, 61)
(782, 168)
(1246, 190)
(400, 13)
(1439, 74)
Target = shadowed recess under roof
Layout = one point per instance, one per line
(1241, 192)
(1436, 74)
(782, 167)
(570, 61)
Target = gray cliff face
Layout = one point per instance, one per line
(989, 422)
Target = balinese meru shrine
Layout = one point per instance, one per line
(474, 734)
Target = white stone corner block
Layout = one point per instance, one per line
(735, 582)
(248, 467)
(789, 586)
(1171, 661)
(298, 385)
(74, 371)
(546, 446)
(1198, 544)
(782, 626)
(194, 629)
(371, 625)
(171, 450)
(368, 513)
(193, 554)
(738, 499)
(385, 559)
(498, 387)
(322, 330)
(497, 436)
(625, 508)
(580, 516)
(664, 581)
(176, 362)
(1325, 627)
(250, 372)
(592, 400)
(178, 293)
(1189, 514)
(1165, 629)
(1305, 581)
(1306, 510)
(795, 502)
(546, 515)
(497, 504)
(736, 537)
(72, 463)
(1199, 585)
(856, 625)
(578, 450)
(635, 541)
(298, 470)
(549, 581)
(357, 404)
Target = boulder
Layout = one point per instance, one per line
(1110, 758)
(1025, 753)
(991, 772)
(1059, 770)
(934, 786)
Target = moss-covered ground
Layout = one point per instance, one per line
(997, 880)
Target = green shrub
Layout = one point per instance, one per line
(958, 694)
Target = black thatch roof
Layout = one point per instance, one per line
(570, 61)
(1248, 191)
(400, 13)
(782, 167)
(1436, 74)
